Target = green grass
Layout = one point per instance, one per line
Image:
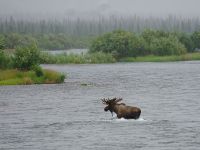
(99, 57)
(16, 77)
(152, 58)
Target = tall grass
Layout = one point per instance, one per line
(152, 58)
(64, 58)
(16, 77)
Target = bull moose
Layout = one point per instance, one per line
(122, 111)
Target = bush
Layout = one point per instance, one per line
(5, 60)
(51, 76)
(38, 70)
(2, 59)
(26, 57)
(186, 40)
(2, 42)
(120, 43)
(162, 43)
(167, 46)
(196, 39)
(149, 35)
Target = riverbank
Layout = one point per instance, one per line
(99, 57)
(17, 77)
(152, 58)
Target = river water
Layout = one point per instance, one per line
(70, 116)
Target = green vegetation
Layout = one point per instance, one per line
(153, 58)
(26, 61)
(21, 41)
(26, 57)
(196, 39)
(150, 42)
(84, 26)
(160, 43)
(77, 32)
(89, 58)
(17, 77)
(119, 43)
(5, 60)
(45, 41)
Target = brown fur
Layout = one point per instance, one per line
(122, 111)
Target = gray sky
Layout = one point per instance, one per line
(187, 8)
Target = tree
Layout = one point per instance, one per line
(120, 43)
(26, 57)
(167, 46)
(5, 60)
(163, 43)
(2, 42)
(186, 40)
(196, 39)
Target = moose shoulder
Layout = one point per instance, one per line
(121, 109)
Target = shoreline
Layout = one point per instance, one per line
(153, 58)
(18, 77)
(103, 58)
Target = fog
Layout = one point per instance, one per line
(188, 8)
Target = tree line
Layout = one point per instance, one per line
(90, 27)
(44, 41)
(122, 43)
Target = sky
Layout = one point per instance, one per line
(188, 8)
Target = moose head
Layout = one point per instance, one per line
(110, 103)
(122, 111)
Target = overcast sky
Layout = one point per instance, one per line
(187, 8)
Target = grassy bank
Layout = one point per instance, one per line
(152, 58)
(16, 77)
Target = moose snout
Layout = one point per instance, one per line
(106, 108)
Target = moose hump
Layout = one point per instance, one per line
(121, 109)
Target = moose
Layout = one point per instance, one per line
(122, 111)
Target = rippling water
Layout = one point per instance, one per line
(70, 115)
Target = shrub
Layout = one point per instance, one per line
(5, 60)
(196, 39)
(2, 42)
(51, 76)
(26, 57)
(163, 43)
(38, 70)
(120, 43)
(187, 42)
(167, 46)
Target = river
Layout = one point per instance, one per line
(70, 116)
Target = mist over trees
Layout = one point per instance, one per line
(101, 24)
(66, 33)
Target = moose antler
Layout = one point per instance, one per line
(104, 101)
(107, 101)
(118, 100)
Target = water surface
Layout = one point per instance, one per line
(70, 115)
(69, 51)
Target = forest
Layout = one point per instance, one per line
(66, 33)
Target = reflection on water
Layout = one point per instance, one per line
(70, 115)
